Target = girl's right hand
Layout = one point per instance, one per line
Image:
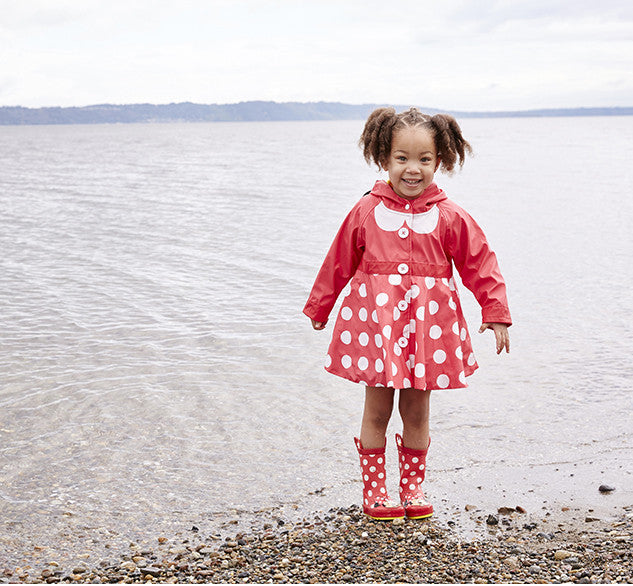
(318, 325)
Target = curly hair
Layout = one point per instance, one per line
(377, 135)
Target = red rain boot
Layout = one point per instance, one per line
(376, 501)
(412, 469)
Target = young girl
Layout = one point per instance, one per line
(400, 324)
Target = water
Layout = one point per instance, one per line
(157, 372)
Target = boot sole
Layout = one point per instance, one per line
(382, 518)
(420, 516)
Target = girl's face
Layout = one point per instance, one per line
(412, 162)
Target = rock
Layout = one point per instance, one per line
(506, 510)
(591, 519)
(151, 571)
(521, 510)
(562, 554)
(492, 520)
(606, 488)
(470, 508)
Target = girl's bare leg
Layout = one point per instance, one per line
(376, 415)
(414, 407)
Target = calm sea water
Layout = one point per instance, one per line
(156, 370)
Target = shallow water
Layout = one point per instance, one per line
(157, 370)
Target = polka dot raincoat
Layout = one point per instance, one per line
(401, 324)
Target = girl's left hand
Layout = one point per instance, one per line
(501, 335)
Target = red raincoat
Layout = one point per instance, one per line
(401, 324)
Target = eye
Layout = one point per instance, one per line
(401, 158)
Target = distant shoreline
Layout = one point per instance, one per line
(253, 111)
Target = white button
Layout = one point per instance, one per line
(403, 342)
(402, 305)
(403, 232)
(403, 268)
(407, 207)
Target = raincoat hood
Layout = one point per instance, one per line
(429, 197)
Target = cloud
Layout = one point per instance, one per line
(456, 54)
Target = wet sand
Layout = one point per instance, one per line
(342, 545)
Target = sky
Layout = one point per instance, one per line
(456, 55)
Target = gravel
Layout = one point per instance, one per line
(343, 546)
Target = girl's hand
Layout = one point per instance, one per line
(318, 325)
(501, 335)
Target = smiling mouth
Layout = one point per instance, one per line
(412, 182)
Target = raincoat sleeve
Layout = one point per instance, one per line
(477, 265)
(339, 265)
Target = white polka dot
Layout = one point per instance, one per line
(433, 307)
(365, 462)
(419, 370)
(406, 331)
(415, 460)
(346, 290)
(346, 313)
(420, 313)
(451, 284)
(429, 282)
(412, 326)
(458, 352)
(362, 290)
(363, 338)
(328, 361)
(366, 477)
(372, 468)
(379, 365)
(452, 304)
(363, 363)
(386, 332)
(362, 314)
(471, 359)
(374, 316)
(411, 361)
(407, 296)
(378, 340)
(462, 378)
(381, 476)
(463, 334)
(403, 342)
(374, 484)
(406, 383)
(395, 280)
(381, 299)
(397, 350)
(443, 381)
(370, 493)
(435, 332)
(379, 460)
(346, 361)
(439, 356)
(346, 337)
(415, 291)
(456, 329)
(394, 369)
(412, 486)
(396, 314)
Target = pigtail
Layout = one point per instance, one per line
(376, 137)
(451, 144)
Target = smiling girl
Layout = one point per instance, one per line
(401, 325)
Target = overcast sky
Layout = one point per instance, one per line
(450, 54)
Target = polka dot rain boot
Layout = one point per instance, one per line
(412, 468)
(376, 501)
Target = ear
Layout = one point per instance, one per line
(439, 162)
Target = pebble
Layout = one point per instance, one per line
(346, 547)
(606, 488)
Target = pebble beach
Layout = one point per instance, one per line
(343, 546)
